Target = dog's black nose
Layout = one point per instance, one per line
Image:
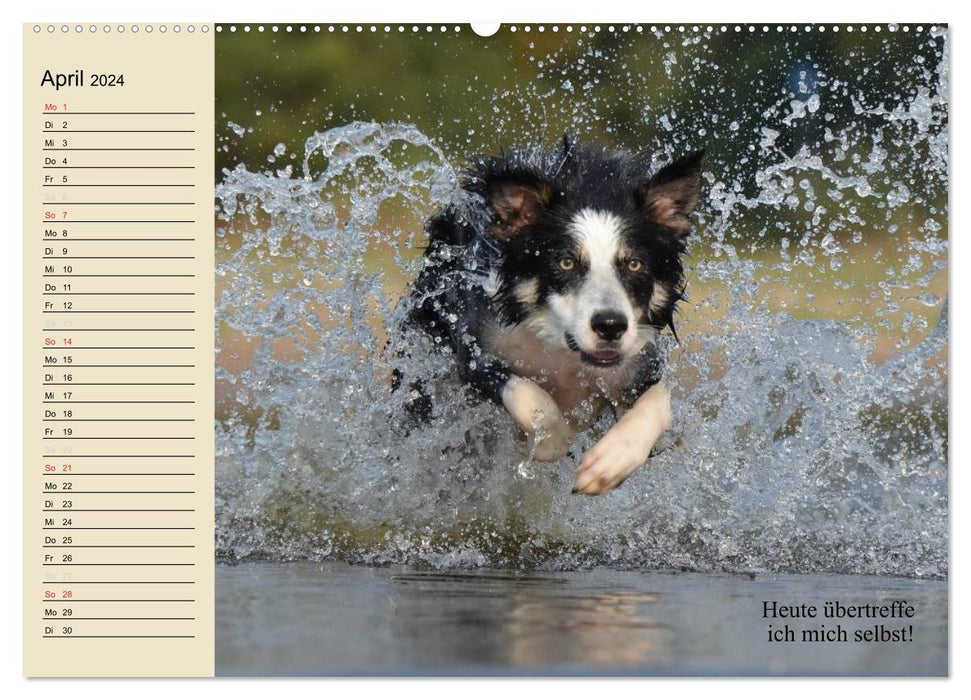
(608, 325)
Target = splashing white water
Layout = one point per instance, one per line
(797, 451)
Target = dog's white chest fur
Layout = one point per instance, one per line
(578, 389)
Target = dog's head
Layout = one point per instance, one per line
(591, 245)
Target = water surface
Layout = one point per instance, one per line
(307, 618)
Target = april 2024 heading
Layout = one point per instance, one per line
(76, 79)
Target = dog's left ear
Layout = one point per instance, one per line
(517, 204)
(672, 194)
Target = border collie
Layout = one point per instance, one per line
(550, 282)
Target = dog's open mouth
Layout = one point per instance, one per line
(602, 358)
(605, 357)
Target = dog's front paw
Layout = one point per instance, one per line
(605, 466)
(550, 441)
(626, 446)
(548, 433)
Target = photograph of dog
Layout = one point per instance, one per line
(559, 351)
(551, 289)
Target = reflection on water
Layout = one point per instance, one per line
(526, 620)
(332, 619)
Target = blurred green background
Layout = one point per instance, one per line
(661, 93)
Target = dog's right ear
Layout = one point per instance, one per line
(517, 204)
(672, 194)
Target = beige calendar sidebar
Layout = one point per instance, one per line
(118, 350)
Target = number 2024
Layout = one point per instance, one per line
(107, 80)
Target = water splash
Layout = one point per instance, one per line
(800, 447)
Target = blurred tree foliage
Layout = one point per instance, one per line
(661, 93)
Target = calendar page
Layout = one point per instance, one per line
(546, 349)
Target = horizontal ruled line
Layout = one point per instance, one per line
(119, 221)
(125, 564)
(116, 330)
(125, 311)
(119, 636)
(58, 114)
(88, 366)
(151, 402)
(118, 384)
(119, 546)
(149, 184)
(119, 257)
(75, 583)
(115, 437)
(119, 167)
(118, 149)
(117, 600)
(71, 492)
(111, 456)
(119, 528)
(73, 474)
(119, 510)
(72, 275)
(118, 131)
(116, 204)
(72, 239)
(72, 617)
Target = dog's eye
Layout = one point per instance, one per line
(567, 263)
(635, 265)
